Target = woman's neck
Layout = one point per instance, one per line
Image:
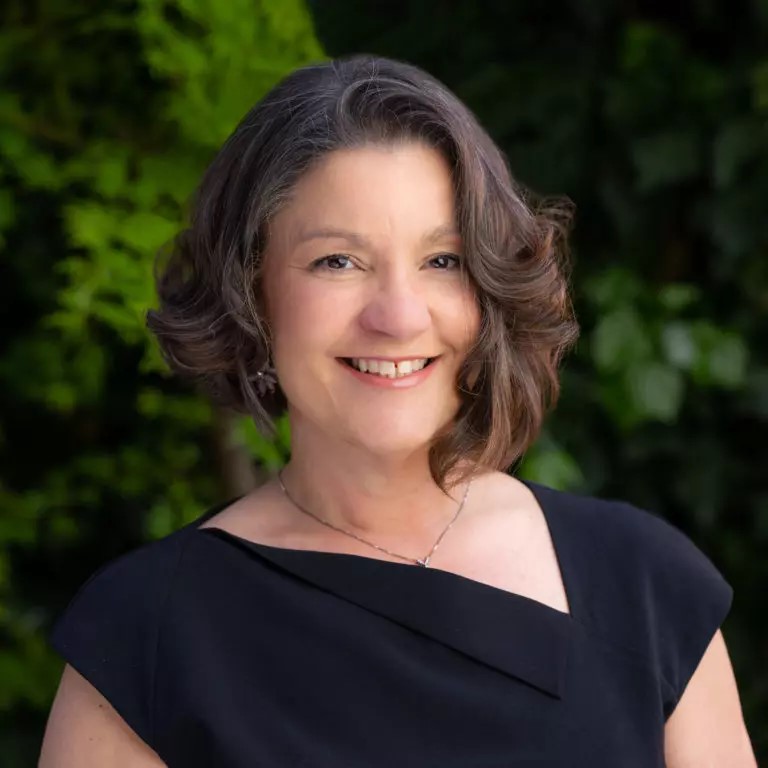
(389, 499)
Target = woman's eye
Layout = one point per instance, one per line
(445, 261)
(336, 262)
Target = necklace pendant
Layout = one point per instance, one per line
(424, 563)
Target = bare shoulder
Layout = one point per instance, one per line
(84, 731)
(505, 542)
(510, 503)
(707, 727)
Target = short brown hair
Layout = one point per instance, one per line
(210, 324)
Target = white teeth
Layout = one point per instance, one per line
(388, 368)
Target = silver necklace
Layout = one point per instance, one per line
(423, 562)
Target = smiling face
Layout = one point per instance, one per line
(363, 269)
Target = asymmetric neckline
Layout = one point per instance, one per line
(293, 556)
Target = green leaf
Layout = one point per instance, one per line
(679, 345)
(270, 454)
(723, 356)
(90, 225)
(146, 232)
(727, 360)
(656, 390)
(549, 464)
(615, 287)
(678, 296)
(620, 339)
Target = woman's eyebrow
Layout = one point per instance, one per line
(441, 232)
(325, 233)
(361, 241)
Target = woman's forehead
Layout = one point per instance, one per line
(359, 194)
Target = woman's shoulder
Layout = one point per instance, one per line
(139, 579)
(616, 531)
(143, 570)
(623, 548)
(126, 591)
(642, 582)
(109, 631)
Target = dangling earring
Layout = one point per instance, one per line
(266, 379)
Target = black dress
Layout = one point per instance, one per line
(221, 652)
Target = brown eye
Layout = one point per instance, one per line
(336, 262)
(445, 261)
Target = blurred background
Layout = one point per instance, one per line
(652, 117)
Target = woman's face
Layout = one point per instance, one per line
(362, 272)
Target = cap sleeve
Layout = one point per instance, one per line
(109, 631)
(690, 600)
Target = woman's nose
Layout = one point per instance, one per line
(397, 308)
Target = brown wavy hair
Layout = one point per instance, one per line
(210, 322)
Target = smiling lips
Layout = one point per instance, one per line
(389, 368)
(390, 373)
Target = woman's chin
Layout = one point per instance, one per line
(395, 439)
(382, 432)
(394, 450)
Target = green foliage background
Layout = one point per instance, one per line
(654, 121)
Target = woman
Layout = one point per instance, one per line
(359, 253)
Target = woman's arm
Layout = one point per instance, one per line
(84, 731)
(707, 729)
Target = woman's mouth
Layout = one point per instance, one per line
(388, 369)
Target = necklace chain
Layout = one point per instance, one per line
(423, 562)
